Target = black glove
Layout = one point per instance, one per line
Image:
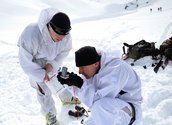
(63, 80)
(72, 79)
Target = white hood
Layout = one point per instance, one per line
(108, 56)
(45, 17)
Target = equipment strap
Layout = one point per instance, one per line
(133, 112)
(132, 108)
(40, 89)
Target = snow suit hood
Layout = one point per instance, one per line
(44, 18)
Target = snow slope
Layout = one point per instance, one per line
(103, 24)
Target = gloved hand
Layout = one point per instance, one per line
(63, 80)
(72, 79)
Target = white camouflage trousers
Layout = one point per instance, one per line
(108, 111)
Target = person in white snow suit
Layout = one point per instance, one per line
(109, 87)
(42, 48)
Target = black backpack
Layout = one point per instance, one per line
(140, 49)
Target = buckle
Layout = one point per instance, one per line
(128, 111)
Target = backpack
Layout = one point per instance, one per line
(165, 53)
(140, 49)
(166, 49)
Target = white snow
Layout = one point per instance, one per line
(104, 24)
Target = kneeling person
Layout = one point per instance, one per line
(109, 87)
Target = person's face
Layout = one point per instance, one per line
(56, 37)
(90, 70)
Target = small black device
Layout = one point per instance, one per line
(78, 113)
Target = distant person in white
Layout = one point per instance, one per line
(109, 87)
(42, 48)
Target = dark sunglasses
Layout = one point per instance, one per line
(58, 30)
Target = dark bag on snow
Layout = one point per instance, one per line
(166, 54)
(166, 48)
(140, 49)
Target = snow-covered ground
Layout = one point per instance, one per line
(103, 24)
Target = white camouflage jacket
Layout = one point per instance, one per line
(36, 47)
(114, 75)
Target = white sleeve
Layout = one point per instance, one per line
(112, 81)
(86, 94)
(33, 70)
(57, 62)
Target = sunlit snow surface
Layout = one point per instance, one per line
(103, 24)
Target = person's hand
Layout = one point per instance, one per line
(48, 67)
(63, 80)
(75, 80)
(46, 78)
(72, 79)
